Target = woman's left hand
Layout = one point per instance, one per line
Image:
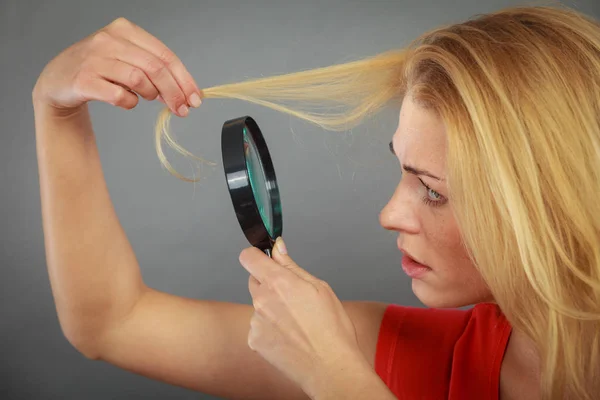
(299, 325)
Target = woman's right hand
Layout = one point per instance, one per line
(114, 65)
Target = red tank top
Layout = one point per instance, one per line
(428, 353)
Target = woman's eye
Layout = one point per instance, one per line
(435, 200)
(436, 195)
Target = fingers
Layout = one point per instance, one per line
(257, 263)
(159, 63)
(253, 284)
(127, 75)
(97, 88)
(157, 72)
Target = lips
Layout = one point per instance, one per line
(411, 256)
(413, 268)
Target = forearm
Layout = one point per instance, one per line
(93, 271)
(354, 381)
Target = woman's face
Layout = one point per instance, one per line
(420, 212)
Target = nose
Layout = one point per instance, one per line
(399, 214)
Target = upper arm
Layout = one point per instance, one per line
(367, 317)
(203, 345)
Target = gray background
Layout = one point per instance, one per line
(186, 237)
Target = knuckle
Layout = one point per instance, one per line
(155, 66)
(120, 96)
(188, 86)
(81, 81)
(136, 78)
(120, 23)
(100, 38)
(258, 305)
(167, 57)
(323, 283)
(178, 98)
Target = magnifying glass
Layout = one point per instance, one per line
(251, 181)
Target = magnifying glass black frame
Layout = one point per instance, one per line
(233, 148)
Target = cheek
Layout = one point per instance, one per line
(450, 254)
(456, 270)
(456, 282)
(443, 234)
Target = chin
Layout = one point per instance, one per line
(435, 298)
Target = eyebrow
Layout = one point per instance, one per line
(414, 170)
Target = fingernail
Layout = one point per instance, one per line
(280, 245)
(195, 100)
(183, 110)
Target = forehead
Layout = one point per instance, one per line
(421, 137)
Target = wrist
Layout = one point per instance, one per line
(340, 378)
(46, 110)
(44, 106)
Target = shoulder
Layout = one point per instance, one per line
(419, 348)
(479, 352)
(413, 325)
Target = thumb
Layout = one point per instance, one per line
(280, 253)
(281, 256)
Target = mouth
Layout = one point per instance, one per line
(412, 267)
(406, 253)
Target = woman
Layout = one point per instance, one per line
(499, 146)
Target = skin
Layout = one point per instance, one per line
(428, 231)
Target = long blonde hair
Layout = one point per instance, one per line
(519, 92)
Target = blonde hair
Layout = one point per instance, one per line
(519, 92)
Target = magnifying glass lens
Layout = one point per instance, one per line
(251, 182)
(258, 181)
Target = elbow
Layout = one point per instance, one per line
(83, 346)
(83, 342)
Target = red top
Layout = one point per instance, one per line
(429, 353)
